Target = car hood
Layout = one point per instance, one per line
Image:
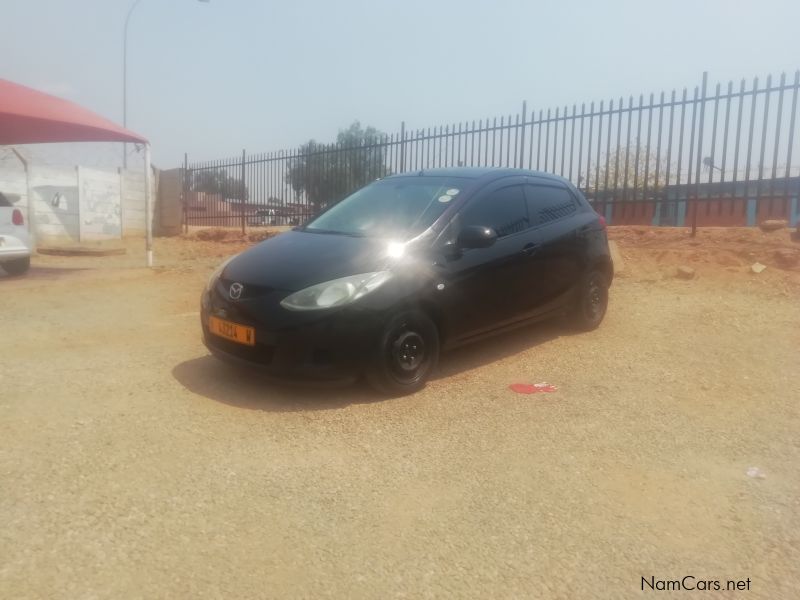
(297, 259)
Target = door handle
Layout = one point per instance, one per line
(531, 248)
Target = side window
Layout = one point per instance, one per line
(503, 210)
(548, 203)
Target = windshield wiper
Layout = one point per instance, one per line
(332, 232)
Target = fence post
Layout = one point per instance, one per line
(402, 146)
(522, 135)
(700, 152)
(243, 192)
(185, 192)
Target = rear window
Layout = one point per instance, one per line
(549, 203)
(4, 201)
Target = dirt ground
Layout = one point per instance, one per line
(133, 465)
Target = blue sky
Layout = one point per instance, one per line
(213, 78)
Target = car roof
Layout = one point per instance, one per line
(487, 173)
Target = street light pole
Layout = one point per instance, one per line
(125, 77)
(125, 81)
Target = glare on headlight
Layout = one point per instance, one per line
(336, 292)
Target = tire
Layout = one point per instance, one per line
(17, 266)
(407, 353)
(591, 302)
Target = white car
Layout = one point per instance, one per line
(15, 241)
(262, 217)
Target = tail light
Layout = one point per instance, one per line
(602, 220)
(16, 217)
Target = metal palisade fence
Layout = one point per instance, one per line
(712, 156)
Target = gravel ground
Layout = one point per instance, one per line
(133, 465)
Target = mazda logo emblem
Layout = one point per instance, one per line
(235, 291)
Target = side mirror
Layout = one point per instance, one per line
(476, 236)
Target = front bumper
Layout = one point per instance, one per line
(317, 348)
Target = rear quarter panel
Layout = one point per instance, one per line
(14, 239)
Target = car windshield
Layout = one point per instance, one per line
(399, 207)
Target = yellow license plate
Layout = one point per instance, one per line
(241, 334)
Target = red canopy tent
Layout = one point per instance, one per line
(28, 116)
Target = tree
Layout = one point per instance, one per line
(640, 173)
(217, 181)
(327, 173)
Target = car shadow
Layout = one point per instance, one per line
(240, 387)
(244, 388)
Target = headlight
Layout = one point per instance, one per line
(336, 292)
(218, 271)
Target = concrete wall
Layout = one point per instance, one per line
(711, 212)
(169, 213)
(13, 184)
(100, 204)
(133, 213)
(56, 203)
(79, 204)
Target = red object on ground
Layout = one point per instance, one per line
(532, 388)
(31, 117)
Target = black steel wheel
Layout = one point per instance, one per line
(407, 353)
(592, 301)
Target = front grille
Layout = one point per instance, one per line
(249, 290)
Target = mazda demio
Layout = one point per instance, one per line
(380, 283)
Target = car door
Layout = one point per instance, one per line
(555, 263)
(483, 284)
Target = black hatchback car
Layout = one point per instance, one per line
(407, 266)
